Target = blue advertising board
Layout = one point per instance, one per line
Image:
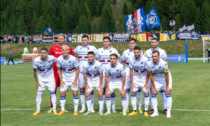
(178, 58)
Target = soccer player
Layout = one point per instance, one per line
(82, 52)
(159, 76)
(68, 72)
(163, 56)
(93, 74)
(127, 54)
(56, 51)
(138, 75)
(103, 56)
(115, 79)
(44, 76)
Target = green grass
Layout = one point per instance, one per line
(190, 91)
(195, 47)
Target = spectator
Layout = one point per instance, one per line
(10, 58)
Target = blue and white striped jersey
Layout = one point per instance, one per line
(44, 68)
(68, 66)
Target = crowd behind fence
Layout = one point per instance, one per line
(98, 37)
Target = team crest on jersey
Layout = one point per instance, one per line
(141, 62)
(49, 61)
(110, 51)
(95, 67)
(117, 69)
(69, 61)
(159, 67)
(56, 48)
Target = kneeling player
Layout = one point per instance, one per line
(138, 75)
(115, 79)
(44, 76)
(70, 70)
(159, 76)
(93, 75)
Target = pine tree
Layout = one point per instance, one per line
(205, 17)
(21, 29)
(75, 14)
(86, 11)
(198, 19)
(187, 12)
(107, 22)
(82, 25)
(125, 9)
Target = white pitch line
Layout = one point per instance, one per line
(30, 109)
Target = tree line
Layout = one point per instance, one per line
(75, 16)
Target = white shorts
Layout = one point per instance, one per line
(49, 84)
(93, 83)
(68, 83)
(112, 87)
(81, 80)
(104, 81)
(170, 81)
(137, 87)
(159, 86)
(127, 81)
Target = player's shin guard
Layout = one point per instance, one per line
(169, 103)
(154, 102)
(133, 100)
(82, 98)
(146, 101)
(139, 96)
(108, 104)
(38, 100)
(92, 99)
(101, 104)
(76, 101)
(124, 104)
(127, 97)
(163, 98)
(62, 102)
(89, 103)
(113, 100)
(53, 97)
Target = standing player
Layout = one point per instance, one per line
(56, 51)
(82, 52)
(69, 67)
(138, 75)
(163, 56)
(127, 54)
(93, 75)
(103, 56)
(115, 79)
(43, 74)
(159, 76)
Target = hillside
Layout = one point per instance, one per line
(171, 47)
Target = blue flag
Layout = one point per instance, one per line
(128, 20)
(48, 31)
(152, 19)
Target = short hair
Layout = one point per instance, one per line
(156, 52)
(44, 48)
(61, 34)
(65, 46)
(132, 39)
(114, 55)
(154, 38)
(91, 53)
(85, 36)
(107, 37)
(137, 48)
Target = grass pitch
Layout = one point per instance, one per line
(190, 95)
